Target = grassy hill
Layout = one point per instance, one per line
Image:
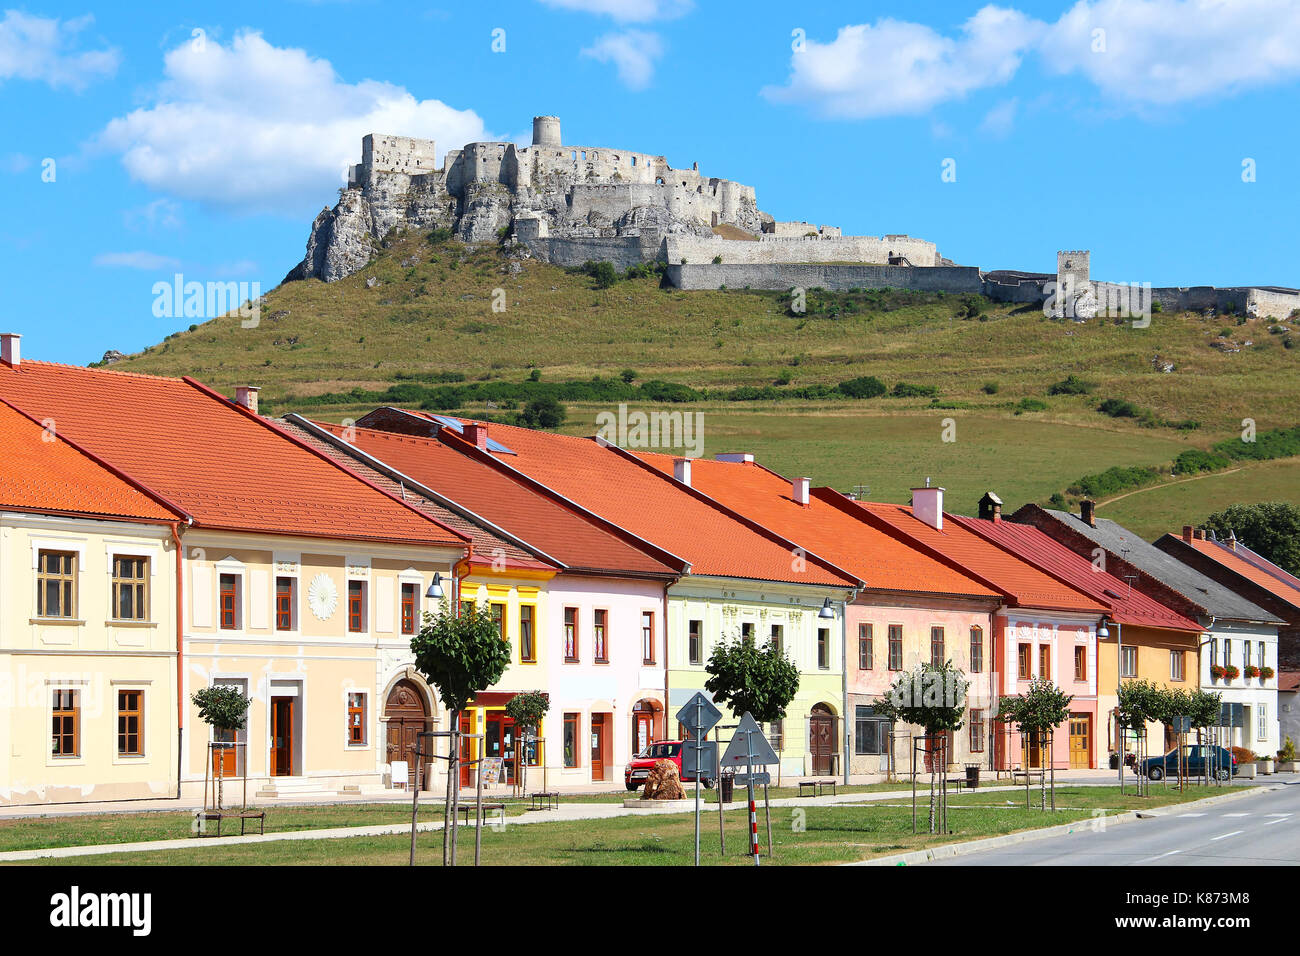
(423, 313)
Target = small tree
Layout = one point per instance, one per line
(745, 677)
(934, 698)
(1037, 712)
(461, 656)
(1137, 702)
(527, 711)
(222, 707)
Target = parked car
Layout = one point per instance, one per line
(634, 773)
(1195, 756)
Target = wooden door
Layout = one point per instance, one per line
(1033, 756)
(468, 748)
(597, 747)
(224, 760)
(1080, 741)
(821, 726)
(407, 717)
(282, 736)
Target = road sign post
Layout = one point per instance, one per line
(750, 747)
(699, 715)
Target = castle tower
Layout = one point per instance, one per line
(546, 131)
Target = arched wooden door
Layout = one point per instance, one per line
(407, 717)
(821, 739)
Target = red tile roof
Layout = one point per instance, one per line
(881, 560)
(220, 463)
(1022, 584)
(1126, 605)
(41, 471)
(635, 496)
(1259, 571)
(572, 539)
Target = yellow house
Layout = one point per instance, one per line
(87, 626)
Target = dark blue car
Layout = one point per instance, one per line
(1222, 763)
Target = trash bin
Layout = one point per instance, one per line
(728, 783)
(973, 776)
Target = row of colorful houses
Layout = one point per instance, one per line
(157, 537)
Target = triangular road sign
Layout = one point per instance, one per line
(748, 745)
(699, 715)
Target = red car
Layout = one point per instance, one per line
(634, 774)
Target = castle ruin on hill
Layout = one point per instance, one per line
(568, 204)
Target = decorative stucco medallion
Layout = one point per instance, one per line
(322, 596)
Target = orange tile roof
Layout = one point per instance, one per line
(221, 464)
(42, 471)
(1128, 606)
(572, 539)
(1275, 584)
(881, 560)
(635, 496)
(1020, 582)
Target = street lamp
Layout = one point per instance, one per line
(826, 611)
(435, 589)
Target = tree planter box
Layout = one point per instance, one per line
(1288, 766)
(1246, 771)
(1265, 766)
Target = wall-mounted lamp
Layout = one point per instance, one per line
(435, 589)
(826, 611)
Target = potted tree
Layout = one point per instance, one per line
(1286, 762)
(1264, 762)
(223, 708)
(1245, 762)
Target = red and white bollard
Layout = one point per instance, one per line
(753, 828)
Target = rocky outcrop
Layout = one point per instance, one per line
(663, 783)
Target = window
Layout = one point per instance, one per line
(1227, 652)
(356, 718)
(823, 648)
(410, 600)
(130, 588)
(499, 618)
(527, 648)
(466, 607)
(1245, 648)
(599, 647)
(1081, 663)
(356, 606)
(694, 651)
(976, 731)
(1045, 661)
(130, 723)
(571, 635)
(895, 647)
(866, 648)
(1022, 663)
(1128, 661)
(647, 637)
(56, 584)
(1175, 665)
(1214, 651)
(778, 637)
(976, 650)
(284, 603)
(228, 602)
(775, 735)
(571, 740)
(67, 724)
(1263, 659)
(1262, 711)
(936, 647)
(747, 631)
(870, 733)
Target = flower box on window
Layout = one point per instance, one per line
(1252, 670)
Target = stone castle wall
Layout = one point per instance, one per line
(782, 249)
(781, 276)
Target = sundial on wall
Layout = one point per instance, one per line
(322, 596)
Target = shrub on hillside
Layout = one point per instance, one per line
(909, 390)
(867, 386)
(1112, 481)
(1118, 408)
(1071, 385)
(1031, 405)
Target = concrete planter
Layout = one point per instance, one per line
(1246, 771)
(1288, 766)
(1265, 766)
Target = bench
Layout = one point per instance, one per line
(543, 800)
(243, 816)
(816, 787)
(499, 808)
(1029, 774)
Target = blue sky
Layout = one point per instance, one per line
(203, 139)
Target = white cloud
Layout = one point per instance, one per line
(252, 126)
(37, 48)
(15, 163)
(999, 120)
(897, 68)
(633, 54)
(155, 215)
(630, 11)
(1168, 51)
(151, 261)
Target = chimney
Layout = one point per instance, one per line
(799, 490)
(1187, 533)
(735, 457)
(990, 507)
(476, 434)
(1232, 540)
(246, 395)
(682, 470)
(9, 350)
(1088, 512)
(927, 504)
(1200, 534)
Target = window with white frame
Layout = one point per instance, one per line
(1262, 711)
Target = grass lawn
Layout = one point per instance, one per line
(826, 833)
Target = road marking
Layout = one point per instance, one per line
(1191, 815)
(1226, 835)
(1283, 815)
(1271, 822)
(1236, 814)
(1160, 857)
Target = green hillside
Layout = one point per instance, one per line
(421, 316)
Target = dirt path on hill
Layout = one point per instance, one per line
(1166, 484)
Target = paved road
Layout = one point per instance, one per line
(1260, 829)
